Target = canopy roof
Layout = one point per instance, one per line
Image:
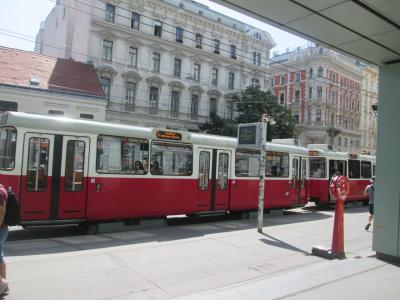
(366, 29)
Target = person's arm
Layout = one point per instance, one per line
(366, 191)
(2, 213)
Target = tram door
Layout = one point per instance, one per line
(37, 174)
(73, 178)
(53, 177)
(213, 179)
(298, 180)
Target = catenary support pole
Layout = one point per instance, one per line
(262, 174)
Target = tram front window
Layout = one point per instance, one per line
(8, 137)
(317, 167)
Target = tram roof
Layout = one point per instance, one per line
(73, 126)
(332, 154)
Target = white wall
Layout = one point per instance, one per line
(386, 239)
(40, 102)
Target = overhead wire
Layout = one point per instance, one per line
(147, 69)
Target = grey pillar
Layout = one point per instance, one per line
(386, 238)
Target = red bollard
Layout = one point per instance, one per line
(339, 189)
(338, 234)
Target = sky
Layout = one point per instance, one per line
(22, 18)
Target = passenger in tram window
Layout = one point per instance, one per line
(317, 173)
(274, 171)
(3, 237)
(282, 172)
(155, 168)
(139, 168)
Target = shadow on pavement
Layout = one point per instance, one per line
(37, 241)
(272, 241)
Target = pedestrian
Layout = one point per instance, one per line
(3, 237)
(370, 191)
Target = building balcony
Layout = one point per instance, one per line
(149, 112)
(313, 125)
(175, 114)
(129, 107)
(294, 104)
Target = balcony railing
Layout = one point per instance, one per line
(129, 107)
(150, 111)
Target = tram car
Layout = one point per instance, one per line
(69, 171)
(324, 163)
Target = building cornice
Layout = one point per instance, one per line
(199, 22)
(304, 62)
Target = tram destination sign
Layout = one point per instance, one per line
(169, 135)
(249, 135)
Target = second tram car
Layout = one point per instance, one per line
(324, 163)
(76, 171)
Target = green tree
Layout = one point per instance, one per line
(250, 105)
(219, 126)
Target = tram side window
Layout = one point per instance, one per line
(317, 167)
(74, 166)
(171, 159)
(8, 139)
(38, 163)
(204, 170)
(122, 155)
(365, 169)
(373, 170)
(277, 164)
(247, 163)
(354, 168)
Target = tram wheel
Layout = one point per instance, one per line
(89, 228)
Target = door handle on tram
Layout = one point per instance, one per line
(98, 186)
(236, 187)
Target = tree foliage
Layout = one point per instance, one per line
(250, 105)
(219, 126)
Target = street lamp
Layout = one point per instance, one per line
(332, 133)
(375, 109)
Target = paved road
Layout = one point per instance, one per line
(218, 260)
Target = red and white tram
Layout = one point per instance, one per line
(73, 171)
(324, 163)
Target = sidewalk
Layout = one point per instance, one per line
(219, 260)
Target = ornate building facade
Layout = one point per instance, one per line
(369, 97)
(161, 63)
(323, 90)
